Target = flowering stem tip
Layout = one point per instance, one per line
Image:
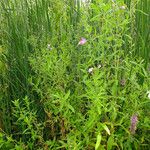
(133, 124)
(82, 41)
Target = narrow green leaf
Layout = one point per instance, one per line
(71, 108)
(67, 95)
(106, 128)
(110, 143)
(99, 138)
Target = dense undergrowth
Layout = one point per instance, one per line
(74, 75)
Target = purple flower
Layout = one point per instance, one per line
(134, 121)
(82, 41)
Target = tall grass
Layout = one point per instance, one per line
(143, 29)
(28, 26)
(15, 42)
(140, 15)
(49, 97)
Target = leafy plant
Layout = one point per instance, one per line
(73, 76)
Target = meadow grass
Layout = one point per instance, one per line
(139, 11)
(59, 92)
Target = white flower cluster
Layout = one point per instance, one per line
(91, 69)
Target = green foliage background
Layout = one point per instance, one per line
(48, 98)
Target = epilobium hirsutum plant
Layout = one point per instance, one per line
(81, 92)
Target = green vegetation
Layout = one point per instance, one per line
(74, 75)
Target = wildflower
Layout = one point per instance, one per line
(49, 46)
(123, 7)
(134, 120)
(99, 66)
(82, 41)
(148, 94)
(90, 70)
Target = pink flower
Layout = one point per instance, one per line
(133, 124)
(82, 41)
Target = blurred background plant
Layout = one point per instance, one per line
(58, 92)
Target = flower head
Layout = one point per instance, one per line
(133, 124)
(49, 46)
(90, 70)
(82, 41)
(99, 66)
